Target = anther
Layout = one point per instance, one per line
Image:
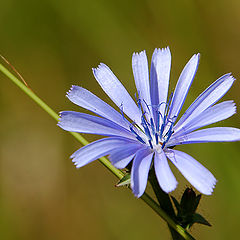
(156, 137)
(150, 143)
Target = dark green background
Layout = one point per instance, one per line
(54, 44)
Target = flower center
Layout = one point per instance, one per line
(154, 131)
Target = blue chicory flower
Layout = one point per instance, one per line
(146, 131)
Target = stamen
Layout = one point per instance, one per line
(158, 121)
(168, 135)
(163, 126)
(137, 136)
(140, 139)
(145, 126)
(154, 129)
(159, 116)
(156, 137)
(150, 143)
(146, 105)
(152, 125)
(168, 104)
(138, 100)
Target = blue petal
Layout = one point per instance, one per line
(182, 87)
(116, 91)
(210, 96)
(85, 123)
(193, 171)
(159, 78)
(141, 76)
(121, 157)
(211, 115)
(139, 172)
(84, 98)
(165, 177)
(96, 150)
(216, 134)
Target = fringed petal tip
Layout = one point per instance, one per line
(210, 189)
(228, 77)
(161, 54)
(99, 67)
(102, 70)
(165, 50)
(139, 54)
(71, 90)
(233, 104)
(74, 160)
(196, 174)
(60, 118)
(61, 115)
(232, 78)
(195, 58)
(76, 164)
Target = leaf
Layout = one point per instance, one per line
(197, 218)
(126, 180)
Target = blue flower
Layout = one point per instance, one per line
(146, 130)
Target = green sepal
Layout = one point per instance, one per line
(197, 218)
(189, 201)
(177, 205)
(126, 180)
(186, 209)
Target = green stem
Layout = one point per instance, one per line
(118, 173)
(55, 116)
(151, 203)
(165, 203)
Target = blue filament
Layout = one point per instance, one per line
(150, 143)
(154, 128)
(152, 125)
(138, 100)
(137, 136)
(140, 139)
(156, 137)
(163, 125)
(145, 126)
(158, 121)
(146, 105)
(168, 135)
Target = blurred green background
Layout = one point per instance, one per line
(54, 44)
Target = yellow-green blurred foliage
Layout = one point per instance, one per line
(54, 44)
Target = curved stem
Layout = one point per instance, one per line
(118, 173)
(151, 203)
(165, 203)
(55, 116)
